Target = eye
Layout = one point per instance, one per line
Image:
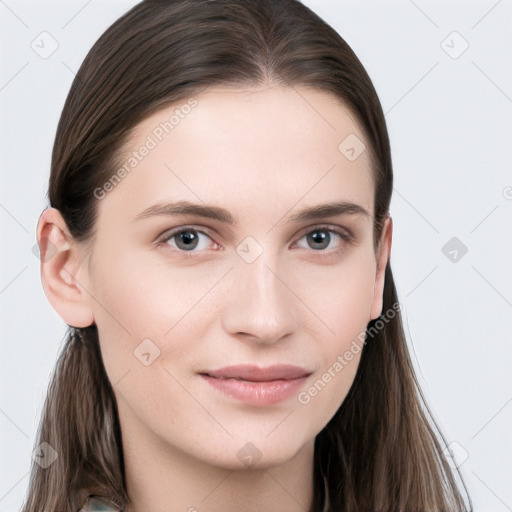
(321, 237)
(185, 239)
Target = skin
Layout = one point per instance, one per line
(263, 154)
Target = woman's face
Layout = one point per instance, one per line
(255, 284)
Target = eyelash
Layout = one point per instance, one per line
(161, 242)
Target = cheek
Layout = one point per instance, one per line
(146, 322)
(138, 301)
(138, 294)
(340, 296)
(342, 301)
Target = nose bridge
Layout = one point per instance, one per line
(259, 303)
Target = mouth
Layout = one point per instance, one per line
(257, 386)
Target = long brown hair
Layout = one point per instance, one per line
(380, 451)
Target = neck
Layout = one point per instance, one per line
(162, 478)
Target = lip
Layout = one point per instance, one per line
(257, 374)
(257, 386)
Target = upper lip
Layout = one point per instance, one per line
(258, 374)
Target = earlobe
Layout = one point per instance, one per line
(60, 266)
(382, 261)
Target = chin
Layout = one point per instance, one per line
(259, 454)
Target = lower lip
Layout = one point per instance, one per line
(257, 393)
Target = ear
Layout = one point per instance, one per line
(382, 261)
(61, 269)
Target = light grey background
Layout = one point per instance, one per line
(449, 114)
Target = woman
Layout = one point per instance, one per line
(219, 244)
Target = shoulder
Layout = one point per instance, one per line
(99, 504)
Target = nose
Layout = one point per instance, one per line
(260, 304)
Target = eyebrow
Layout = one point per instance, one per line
(220, 214)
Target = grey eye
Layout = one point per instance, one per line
(187, 239)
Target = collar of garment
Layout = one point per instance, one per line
(95, 503)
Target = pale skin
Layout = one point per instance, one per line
(263, 154)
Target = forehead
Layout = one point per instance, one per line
(247, 148)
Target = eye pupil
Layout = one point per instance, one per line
(319, 237)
